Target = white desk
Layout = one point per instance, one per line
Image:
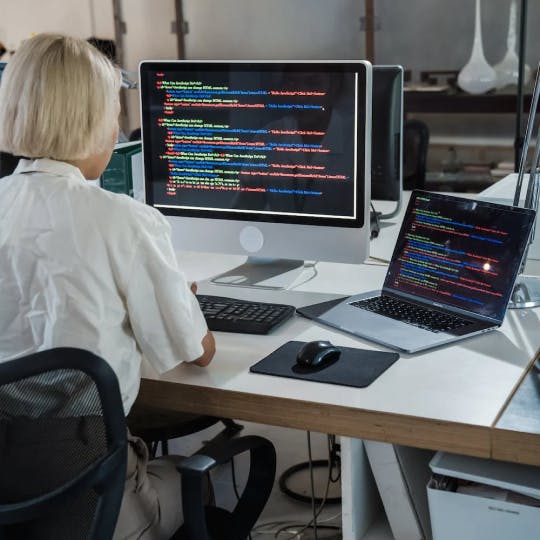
(447, 399)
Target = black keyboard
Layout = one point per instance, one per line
(242, 316)
(428, 319)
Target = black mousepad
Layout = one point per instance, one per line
(355, 367)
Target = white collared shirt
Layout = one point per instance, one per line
(83, 267)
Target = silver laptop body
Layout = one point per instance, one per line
(454, 255)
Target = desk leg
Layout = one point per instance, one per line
(359, 496)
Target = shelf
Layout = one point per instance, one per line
(484, 142)
(446, 102)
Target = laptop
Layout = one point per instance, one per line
(450, 277)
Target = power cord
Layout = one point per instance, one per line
(294, 529)
(333, 462)
(312, 524)
(313, 275)
(374, 222)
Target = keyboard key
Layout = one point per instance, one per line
(414, 314)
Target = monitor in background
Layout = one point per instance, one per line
(267, 159)
(387, 136)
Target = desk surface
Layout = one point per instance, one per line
(448, 399)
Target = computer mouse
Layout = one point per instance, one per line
(317, 355)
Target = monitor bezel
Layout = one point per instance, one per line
(363, 167)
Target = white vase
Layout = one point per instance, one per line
(477, 76)
(507, 70)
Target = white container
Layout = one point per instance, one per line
(477, 517)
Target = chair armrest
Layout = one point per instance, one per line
(258, 487)
(218, 454)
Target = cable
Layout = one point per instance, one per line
(312, 484)
(333, 457)
(313, 276)
(374, 222)
(379, 260)
(333, 460)
(298, 528)
(312, 524)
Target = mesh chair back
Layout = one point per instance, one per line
(61, 421)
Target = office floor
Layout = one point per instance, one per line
(281, 510)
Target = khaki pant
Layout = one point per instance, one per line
(152, 504)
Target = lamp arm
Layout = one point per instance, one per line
(518, 141)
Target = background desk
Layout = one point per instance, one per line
(448, 398)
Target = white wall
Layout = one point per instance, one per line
(148, 37)
(420, 34)
(438, 34)
(241, 29)
(274, 29)
(19, 19)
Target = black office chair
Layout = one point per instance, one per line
(62, 446)
(214, 523)
(157, 426)
(135, 135)
(415, 149)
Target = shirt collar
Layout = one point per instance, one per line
(49, 166)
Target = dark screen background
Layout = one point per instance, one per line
(461, 252)
(280, 139)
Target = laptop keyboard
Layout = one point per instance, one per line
(428, 319)
(242, 316)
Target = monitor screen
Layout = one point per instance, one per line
(258, 154)
(387, 133)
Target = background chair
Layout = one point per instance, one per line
(8, 162)
(415, 149)
(63, 446)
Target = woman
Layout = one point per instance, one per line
(83, 267)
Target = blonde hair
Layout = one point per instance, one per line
(58, 99)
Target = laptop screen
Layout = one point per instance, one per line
(458, 252)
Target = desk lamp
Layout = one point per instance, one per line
(526, 292)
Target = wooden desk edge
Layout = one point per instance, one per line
(516, 446)
(323, 418)
(513, 442)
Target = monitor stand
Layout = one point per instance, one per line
(526, 293)
(262, 273)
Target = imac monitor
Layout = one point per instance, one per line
(267, 159)
(387, 135)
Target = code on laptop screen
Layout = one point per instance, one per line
(458, 252)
